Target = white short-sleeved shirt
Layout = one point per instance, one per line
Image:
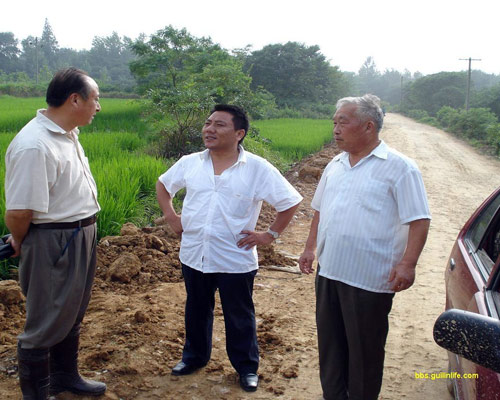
(217, 209)
(47, 172)
(364, 216)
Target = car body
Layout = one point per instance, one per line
(473, 284)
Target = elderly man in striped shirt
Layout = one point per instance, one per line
(370, 226)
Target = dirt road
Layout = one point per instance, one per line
(457, 178)
(133, 331)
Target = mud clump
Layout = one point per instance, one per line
(10, 293)
(12, 311)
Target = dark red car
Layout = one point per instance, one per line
(473, 284)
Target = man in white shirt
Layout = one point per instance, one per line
(225, 187)
(370, 225)
(51, 203)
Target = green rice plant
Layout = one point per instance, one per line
(8, 268)
(110, 145)
(126, 188)
(116, 115)
(15, 112)
(263, 150)
(5, 139)
(295, 138)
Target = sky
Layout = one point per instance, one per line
(426, 36)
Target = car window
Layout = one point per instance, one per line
(484, 236)
(479, 227)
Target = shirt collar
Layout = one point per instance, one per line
(381, 151)
(51, 125)
(242, 155)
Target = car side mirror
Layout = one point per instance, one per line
(470, 335)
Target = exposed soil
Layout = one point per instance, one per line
(134, 329)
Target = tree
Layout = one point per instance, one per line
(488, 98)
(9, 52)
(368, 78)
(432, 92)
(295, 74)
(183, 76)
(49, 46)
(109, 60)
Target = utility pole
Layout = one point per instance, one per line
(401, 95)
(36, 51)
(467, 98)
(36, 55)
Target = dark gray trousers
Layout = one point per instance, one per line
(56, 273)
(352, 328)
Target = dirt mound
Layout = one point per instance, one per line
(11, 311)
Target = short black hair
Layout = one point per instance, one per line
(66, 82)
(240, 118)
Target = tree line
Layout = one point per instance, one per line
(181, 76)
(298, 77)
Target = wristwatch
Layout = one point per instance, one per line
(274, 234)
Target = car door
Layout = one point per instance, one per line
(473, 284)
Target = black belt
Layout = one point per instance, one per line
(68, 225)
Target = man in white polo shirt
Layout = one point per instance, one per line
(225, 187)
(370, 225)
(51, 203)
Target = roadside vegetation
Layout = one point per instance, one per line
(439, 100)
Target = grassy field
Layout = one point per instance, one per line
(295, 138)
(118, 115)
(116, 144)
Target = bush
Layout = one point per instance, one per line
(474, 124)
(447, 116)
(23, 89)
(493, 137)
(429, 121)
(417, 114)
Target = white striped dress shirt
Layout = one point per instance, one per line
(364, 216)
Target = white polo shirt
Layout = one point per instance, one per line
(364, 216)
(217, 209)
(47, 172)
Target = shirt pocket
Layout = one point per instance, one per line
(240, 205)
(372, 196)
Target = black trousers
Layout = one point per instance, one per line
(235, 292)
(352, 328)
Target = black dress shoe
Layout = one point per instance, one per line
(249, 382)
(185, 369)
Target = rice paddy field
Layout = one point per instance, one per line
(117, 145)
(295, 138)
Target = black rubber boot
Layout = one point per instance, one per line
(64, 374)
(33, 373)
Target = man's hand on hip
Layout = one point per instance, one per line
(175, 223)
(253, 238)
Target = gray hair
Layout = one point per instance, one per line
(368, 108)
